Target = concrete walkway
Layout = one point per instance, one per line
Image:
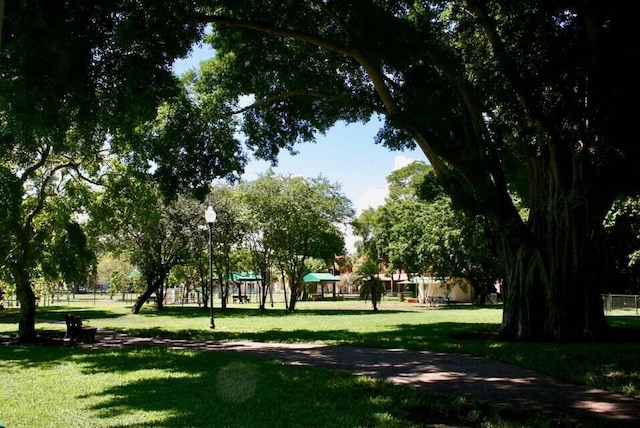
(477, 378)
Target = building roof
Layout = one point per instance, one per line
(245, 276)
(319, 277)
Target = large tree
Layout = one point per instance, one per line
(133, 219)
(77, 81)
(418, 231)
(42, 191)
(300, 219)
(402, 222)
(262, 235)
(228, 234)
(504, 98)
(456, 243)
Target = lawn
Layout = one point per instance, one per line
(164, 387)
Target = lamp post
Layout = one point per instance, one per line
(210, 217)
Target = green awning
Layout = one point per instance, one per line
(320, 277)
(245, 276)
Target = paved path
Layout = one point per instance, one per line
(480, 379)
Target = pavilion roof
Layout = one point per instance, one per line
(320, 277)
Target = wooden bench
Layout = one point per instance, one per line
(76, 332)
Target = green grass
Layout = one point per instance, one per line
(163, 387)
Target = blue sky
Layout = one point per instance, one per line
(346, 155)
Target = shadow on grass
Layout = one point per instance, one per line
(163, 387)
(611, 365)
(408, 336)
(56, 313)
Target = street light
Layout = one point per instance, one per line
(210, 217)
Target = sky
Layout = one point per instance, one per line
(346, 155)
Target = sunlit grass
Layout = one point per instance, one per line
(160, 387)
(613, 366)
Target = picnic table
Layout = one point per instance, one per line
(241, 298)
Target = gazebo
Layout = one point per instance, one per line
(321, 279)
(249, 280)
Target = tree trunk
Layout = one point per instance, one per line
(160, 295)
(264, 288)
(220, 274)
(225, 296)
(152, 286)
(481, 288)
(284, 289)
(141, 300)
(225, 272)
(554, 273)
(263, 296)
(375, 289)
(24, 292)
(575, 313)
(204, 289)
(27, 299)
(294, 286)
(293, 296)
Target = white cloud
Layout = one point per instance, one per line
(349, 239)
(401, 161)
(371, 198)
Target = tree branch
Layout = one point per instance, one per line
(294, 93)
(42, 191)
(373, 71)
(26, 175)
(479, 9)
(265, 27)
(334, 17)
(96, 182)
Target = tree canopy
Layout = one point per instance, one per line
(83, 83)
(517, 98)
(300, 219)
(509, 101)
(417, 231)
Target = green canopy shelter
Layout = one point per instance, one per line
(322, 279)
(243, 278)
